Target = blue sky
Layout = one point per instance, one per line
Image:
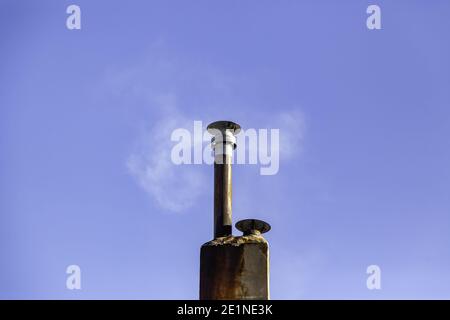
(365, 164)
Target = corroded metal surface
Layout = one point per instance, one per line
(235, 268)
(236, 241)
(222, 199)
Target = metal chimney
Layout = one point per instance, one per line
(223, 143)
(232, 267)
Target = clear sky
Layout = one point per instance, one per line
(85, 123)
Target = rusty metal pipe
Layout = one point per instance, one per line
(222, 198)
(223, 143)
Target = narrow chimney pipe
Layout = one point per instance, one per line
(223, 143)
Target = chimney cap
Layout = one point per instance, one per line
(223, 126)
(249, 226)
